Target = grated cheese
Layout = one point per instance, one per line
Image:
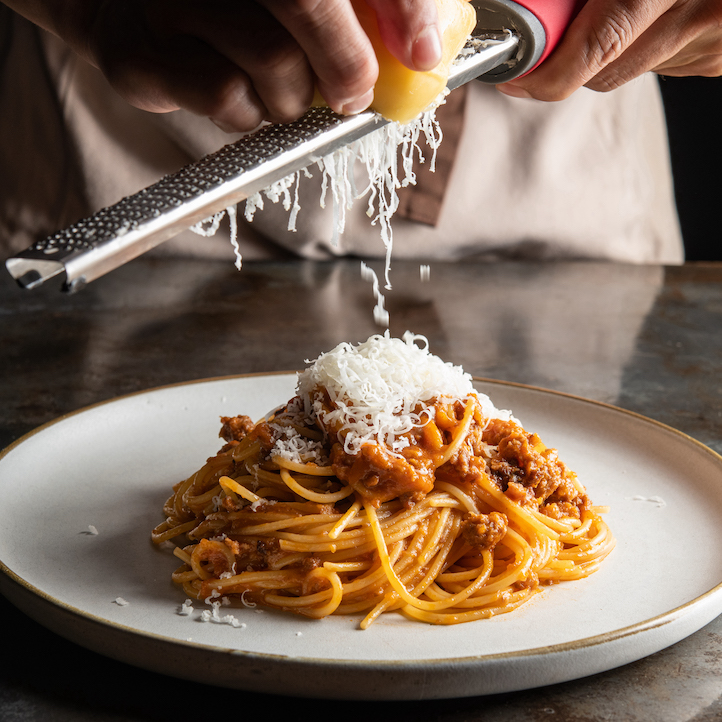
(656, 500)
(380, 390)
(379, 152)
(209, 226)
(381, 315)
(245, 603)
(232, 217)
(291, 445)
(215, 617)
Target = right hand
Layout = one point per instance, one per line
(612, 42)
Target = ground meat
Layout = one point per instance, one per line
(264, 433)
(235, 428)
(566, 509)
(497, 429)
(233, 545)
(484, 531)
(230, 504)
(531, 582)
(212, 555)
(379, 476)
(309, 563)
(522, 460)
(560, 510)
(519, 493)
(254, 554)
(507, 473)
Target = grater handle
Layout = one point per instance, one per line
(540, 24)
(555, 17)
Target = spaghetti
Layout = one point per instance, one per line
(387, 484)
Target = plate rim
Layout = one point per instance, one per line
(657, 622)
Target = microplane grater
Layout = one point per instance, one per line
(117, 234)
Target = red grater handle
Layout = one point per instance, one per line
(555, 17)
(539, 24)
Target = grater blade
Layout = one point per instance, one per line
(117, 234)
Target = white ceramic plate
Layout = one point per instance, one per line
(111, 467)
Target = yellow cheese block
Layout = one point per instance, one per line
(401, 94)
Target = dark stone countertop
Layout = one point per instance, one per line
(648, 339)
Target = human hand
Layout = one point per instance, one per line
(239, 62)
(612, 42)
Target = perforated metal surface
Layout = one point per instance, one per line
(193, 182)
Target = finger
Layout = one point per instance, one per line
(684, 41)
(193, 77)
(339, 52)
(660, 41)
(206, 83)
(698, 48)
(601, 32)
(410, 30)
(161, 72)
(704, 63)
(273, 60)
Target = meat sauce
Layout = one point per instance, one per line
(517, 463)
(530, 473)
(378, 475)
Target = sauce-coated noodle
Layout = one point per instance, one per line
(358, 499)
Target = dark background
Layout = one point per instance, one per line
(694, 109)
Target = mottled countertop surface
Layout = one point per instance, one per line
(644, 338)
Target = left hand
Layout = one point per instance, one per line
(612, 42)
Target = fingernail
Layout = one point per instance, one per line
(426, 50)
(358, 104)
(513, 90)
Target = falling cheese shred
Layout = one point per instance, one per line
(388, 154)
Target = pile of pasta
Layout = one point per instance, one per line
(454, 516)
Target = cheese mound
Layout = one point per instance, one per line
(381, 389)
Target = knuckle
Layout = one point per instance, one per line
(349, 82)
(233, 103)
(282, 115)
(278, 60)
(298, 9)
(359, 74)
(606, 82)
(609, 40)
(140, 84)
(308, 7)
(288, 106)
(709, 66)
